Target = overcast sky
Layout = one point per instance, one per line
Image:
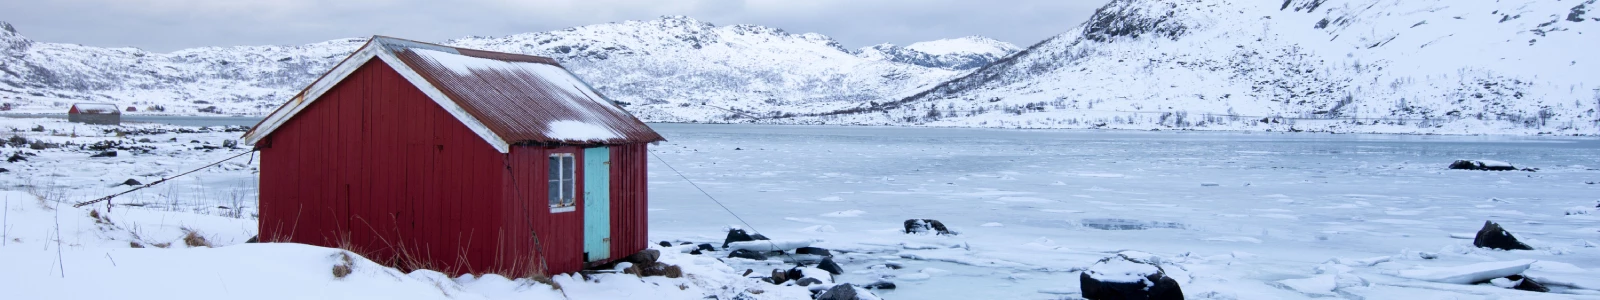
(166, 25)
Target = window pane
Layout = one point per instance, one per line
(568, 191)
(555, 180)
(569, 175)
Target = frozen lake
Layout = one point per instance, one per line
(1239, 210)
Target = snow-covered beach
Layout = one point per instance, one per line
(1232, 215)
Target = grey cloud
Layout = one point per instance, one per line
(166, 25)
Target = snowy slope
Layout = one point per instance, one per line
(667, 69)
(956, 54)
(1337, 65)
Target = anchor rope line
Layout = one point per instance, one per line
(719, 204)
(108, 198)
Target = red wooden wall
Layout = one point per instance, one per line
(629, 211)
(376, 166)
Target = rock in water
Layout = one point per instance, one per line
(736, 235)
(1527, 284)
(813, 251)
(839, 292)
(132, 182)
(827, 264)
(1482, 165)
(1121, 277)
(880, 285)
(747, 254)
(926, 225)
(1494, 237)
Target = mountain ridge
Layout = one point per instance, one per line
(674, 68)
(1451, 67)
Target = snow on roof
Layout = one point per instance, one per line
(576, 130)
(95, 108)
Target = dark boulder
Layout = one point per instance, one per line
(105, 154)
(813, 251)
(759, 237)
(839, 292)
(1494, 237)
(779, 277)
(880, 285)
(132, 182)
(253, 240)
(1527, 284)
(736, 235)
(16, 157)
(926, 225)
(827, 264)
(705, 247)
(893, 265)
(646, 257)
(4, 170)
(747, 254)
(666, 244)
(1481, 165)
(807, 281)
(1121, 277)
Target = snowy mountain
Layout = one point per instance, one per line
(667, 69)
(955, 54)
(1440, 66)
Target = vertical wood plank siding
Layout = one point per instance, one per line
(629, 211)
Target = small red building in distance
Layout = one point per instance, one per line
(462, 161)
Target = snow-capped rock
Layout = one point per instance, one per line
(1430, 66)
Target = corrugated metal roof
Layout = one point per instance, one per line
(522, 98)
(519, 99)
(95, 108)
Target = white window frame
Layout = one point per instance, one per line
(562, 179)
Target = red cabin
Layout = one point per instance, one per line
(462, 161)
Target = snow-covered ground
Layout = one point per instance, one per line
(1231, 215)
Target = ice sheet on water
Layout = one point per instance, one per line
(1127, 224)
(1469, 274)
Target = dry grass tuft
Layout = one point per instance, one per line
(99, 218)
(194, 239)
(135, 245)
(345, 266)
(162, 245)
(541, 278)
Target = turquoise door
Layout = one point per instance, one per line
(597, 203)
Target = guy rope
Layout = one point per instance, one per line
(108, 198)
